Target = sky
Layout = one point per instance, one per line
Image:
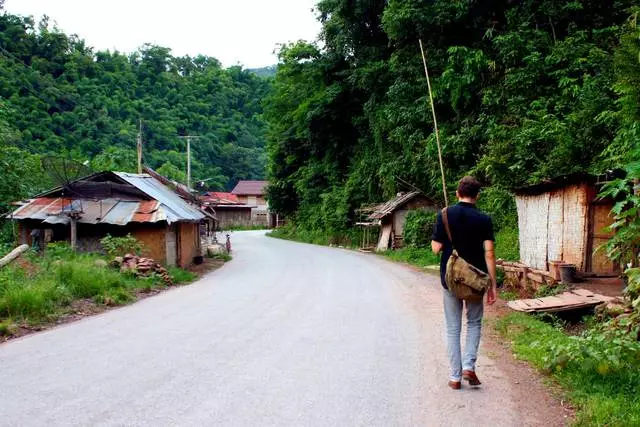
(244, 32)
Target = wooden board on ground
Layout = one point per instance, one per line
(578, 298)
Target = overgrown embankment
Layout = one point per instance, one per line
(41, 289)
(598, 369)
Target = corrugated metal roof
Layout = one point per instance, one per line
(386, 208)
(165, 205)
(250, 188)
(109, 211)
(176, 208)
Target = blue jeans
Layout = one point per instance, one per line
(453, 320)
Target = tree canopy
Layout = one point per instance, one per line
(524, 91)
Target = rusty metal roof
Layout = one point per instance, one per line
(176, 208)
(165, 205)
(108, 211)
(220, 198)
(386, 208)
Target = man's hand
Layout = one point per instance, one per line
(491, 294)
(490, 258)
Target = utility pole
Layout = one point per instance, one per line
(139, 146)
(189, 164)
(189, 138)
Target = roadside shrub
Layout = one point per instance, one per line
(119, 246)
(508, 244)
(599, 368)
(418, 228)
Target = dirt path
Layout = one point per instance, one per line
(285, 334)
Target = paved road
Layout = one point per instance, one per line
(286, 334)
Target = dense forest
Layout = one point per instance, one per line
(60, 97)
(524, 91)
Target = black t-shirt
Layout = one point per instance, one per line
(469, 229)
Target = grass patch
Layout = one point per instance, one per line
(509, 295)
(37, 288)
(348, 238)
(599, 372)
(223, 256)
(246, 228)
(181, 276)
(550, 290)
(420, 257)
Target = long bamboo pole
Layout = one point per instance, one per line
(435, 125)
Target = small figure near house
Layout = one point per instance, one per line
(473, 239)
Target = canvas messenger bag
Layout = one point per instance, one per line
(463, 279)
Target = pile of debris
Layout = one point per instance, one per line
(141, 266)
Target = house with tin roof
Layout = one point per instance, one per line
(117, 203)
(230, 211)
(253, 193)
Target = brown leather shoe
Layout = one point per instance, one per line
(455, 385)
(471, 377)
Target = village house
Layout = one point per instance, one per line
(391, 217)
(116, 203)
(563, 222)
(253, 193)
(230, 211)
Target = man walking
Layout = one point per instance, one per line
(472, 233)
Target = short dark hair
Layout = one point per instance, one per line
(469, 187)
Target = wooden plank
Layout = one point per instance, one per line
(563, 302)
(583, 292)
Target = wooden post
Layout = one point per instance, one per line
(74, 233)
(11, 256)
(189, 164)
(139, 147)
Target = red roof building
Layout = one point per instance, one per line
(220, 198)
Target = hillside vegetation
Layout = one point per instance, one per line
(60, 97)
(524, 91)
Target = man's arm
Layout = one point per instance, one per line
(490, 258)
(438, 236)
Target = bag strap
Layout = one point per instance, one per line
(445, 220)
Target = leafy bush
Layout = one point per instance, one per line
(59, 250)
(418, 227)
(624, 245)
(500, 205)
(119, 246)
(508, 244)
